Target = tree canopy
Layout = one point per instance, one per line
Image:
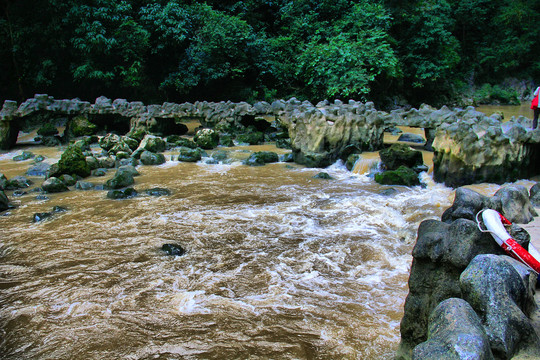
(182, 50)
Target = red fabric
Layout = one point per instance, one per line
(534, 103)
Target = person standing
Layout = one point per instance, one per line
(534, 107)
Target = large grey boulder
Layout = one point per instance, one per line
(510, 200)
(455, 332)
(515, 203)
(503, 297)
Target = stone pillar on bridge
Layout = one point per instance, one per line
(9, 129)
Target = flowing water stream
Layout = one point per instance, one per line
(279, 264)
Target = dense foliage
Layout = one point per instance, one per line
(182, 50)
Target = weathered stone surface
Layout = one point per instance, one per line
(503, 299)
(26, 155)
(84, 185)
(479, 149)
(515, 203)
(152, 143)
(454, 332)
(511, 200)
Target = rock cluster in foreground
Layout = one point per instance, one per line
(467, 299)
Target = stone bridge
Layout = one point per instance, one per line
(468, 145)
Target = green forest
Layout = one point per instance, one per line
(413, 50)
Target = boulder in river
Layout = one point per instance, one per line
(18, 182)
(158, 192)
(150, 158)
(73, 162)
(189, 155)
(122, 194)
(401, 176)
(173, 249)
(261, 158)
(54, 185)
(26, 155)
(400, 154)
(39, 169)
(121, 179)
(206, 138)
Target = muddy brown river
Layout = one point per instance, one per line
(279, 264)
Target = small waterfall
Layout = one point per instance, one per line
(366, 163)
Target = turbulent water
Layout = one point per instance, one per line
(279, 265)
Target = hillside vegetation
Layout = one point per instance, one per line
(415, 51)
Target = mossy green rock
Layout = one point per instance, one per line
(81, 126)
(73, 162)
(54, 185)
(261, 158)
(254, 138)
(206, 138)
(402, 176)
(189, 155)
(400, 154)
(150, 158)
(47, 130)
(120, 180)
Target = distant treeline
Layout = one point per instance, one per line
(416, 50)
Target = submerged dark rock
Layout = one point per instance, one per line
(261, 158)
(122, 194)
(323, 175)
(173, 249)
(158, 192)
